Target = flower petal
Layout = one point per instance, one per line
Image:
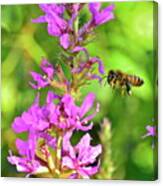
(95, 76)
(105, 15)
(84, 127)
(79, 48)
(65, 41)
(41, 82)
(19, 162)
(51, 96)
(19, 125)
(94, 8)
(42, 125)
(41, 19)
(87, 104)
(69, 106)
(100, 64)
(47, 68)
(89, 171)
(91, 154)
(67, 147)
(151, 130)
(67, 161)
(53, 29)
(100, 16)
(50, 140)
(21, 146)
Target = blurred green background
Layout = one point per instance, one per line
(126, 43)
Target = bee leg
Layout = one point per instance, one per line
(128, 89)
(123, 90)
(111, 84)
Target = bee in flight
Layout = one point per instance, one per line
(118, 79)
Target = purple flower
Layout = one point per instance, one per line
(151, 131)
(82, 158)
(27, 163)
(100, 16)
(33, 119)
(88, 65)
(87, 68)
(73, 9)
(53, 16)
(49, 140)
(95, 76)
(58, 8)
(57, 25)
(67, 115)
(35, 123)
(79, 49)
(100, 64)
(64, 115)
(43, 80)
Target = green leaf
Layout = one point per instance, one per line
(12, 18)
(66, 70)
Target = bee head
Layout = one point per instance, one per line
(142, 82)
(111, 75)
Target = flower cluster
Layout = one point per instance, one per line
(50, 127)
(43, 123)
(63, 22)
(65, 28)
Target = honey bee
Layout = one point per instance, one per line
(118, 79)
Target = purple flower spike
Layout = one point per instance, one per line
(81, 158)
(100, 16)
(57, 25)
(43, 80)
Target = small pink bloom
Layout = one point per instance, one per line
(82, 157)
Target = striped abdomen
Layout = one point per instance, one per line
(134, 80)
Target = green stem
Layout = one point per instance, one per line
(76, 27)
(58, 154)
